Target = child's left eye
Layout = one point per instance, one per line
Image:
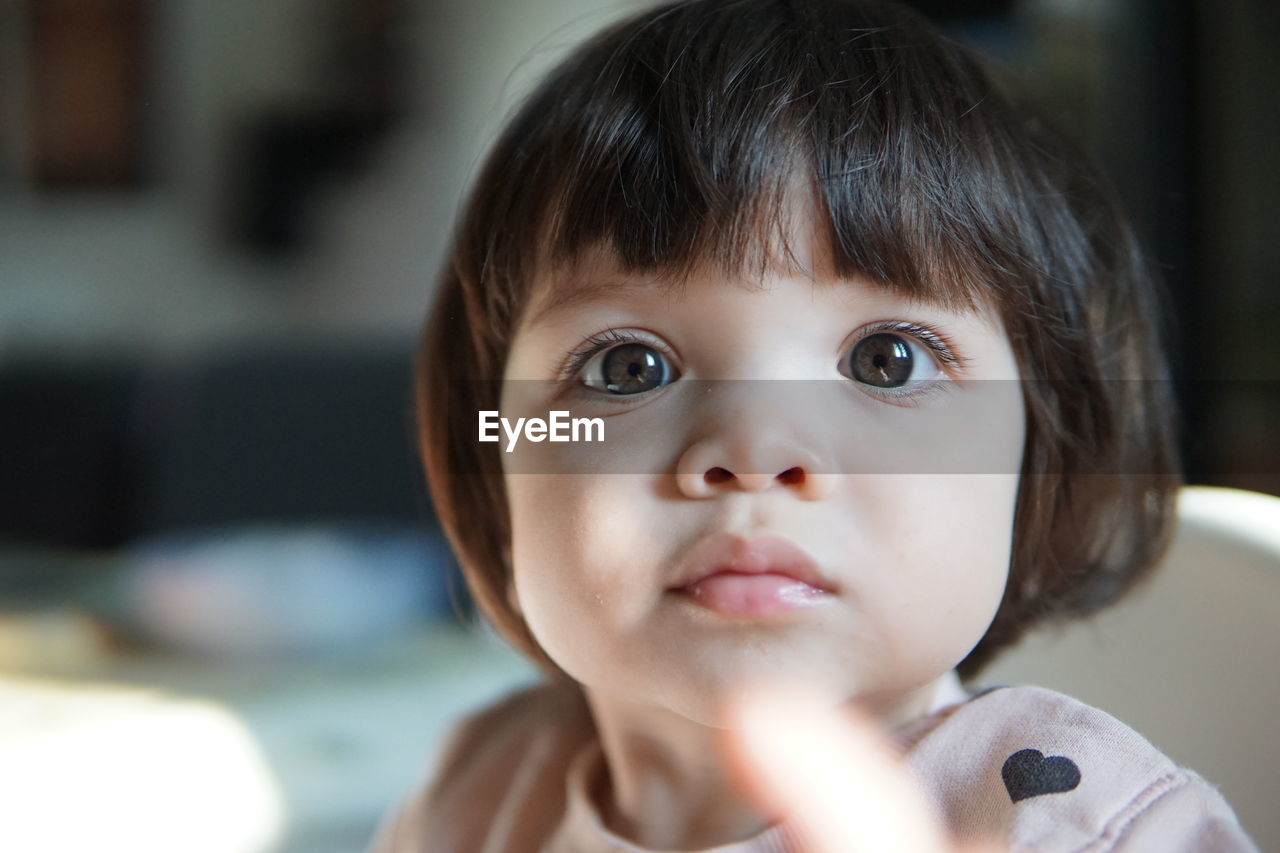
(897, 359)
(886, 360)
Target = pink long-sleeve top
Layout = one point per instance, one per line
(1031, 766)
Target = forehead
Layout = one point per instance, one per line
(597, 278)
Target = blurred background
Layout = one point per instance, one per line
(219, 224)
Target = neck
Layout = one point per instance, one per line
(661, 763)
(658, 762)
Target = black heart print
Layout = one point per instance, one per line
(1027, 773)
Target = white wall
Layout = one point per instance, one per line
(153, 268)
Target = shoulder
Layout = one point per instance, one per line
(1048, 772)
(527, 722)
(499, 776)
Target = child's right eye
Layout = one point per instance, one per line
(628, 369)
(623, 366)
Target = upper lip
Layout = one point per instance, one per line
(741, 554)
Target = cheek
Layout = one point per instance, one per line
(952, 560)
(580, 557)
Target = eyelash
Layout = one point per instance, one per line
(934, 341)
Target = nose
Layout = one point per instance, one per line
(754, 457)
(804, 483)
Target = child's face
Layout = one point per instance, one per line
(701, 460)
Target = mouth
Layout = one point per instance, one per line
(752, 577)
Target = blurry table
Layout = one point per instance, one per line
(344, 738)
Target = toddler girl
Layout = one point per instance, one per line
(864, 360)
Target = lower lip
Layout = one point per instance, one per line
(754, 595)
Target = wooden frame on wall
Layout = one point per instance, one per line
(86, 76)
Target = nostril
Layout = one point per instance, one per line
(792, 476)
(718, 475)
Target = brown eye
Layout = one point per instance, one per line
(883, 360)
(628, 369)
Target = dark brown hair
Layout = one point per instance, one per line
(670, 138)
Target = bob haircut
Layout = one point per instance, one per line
(673, 138)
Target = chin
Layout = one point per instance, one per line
(702, 698)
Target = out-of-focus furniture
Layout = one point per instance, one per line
(87, 766)
(1191, 660)
(155, 752)
(100, 454)
(249, 486)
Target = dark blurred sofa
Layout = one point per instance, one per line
(97, 452)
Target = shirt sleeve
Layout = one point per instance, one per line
(499, 780)
(1188, 818)
(405, 828)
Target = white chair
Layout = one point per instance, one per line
(1191, 660)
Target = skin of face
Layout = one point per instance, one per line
(760, 430)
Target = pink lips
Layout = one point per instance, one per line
(752, 577)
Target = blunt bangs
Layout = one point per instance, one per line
(680, 140)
